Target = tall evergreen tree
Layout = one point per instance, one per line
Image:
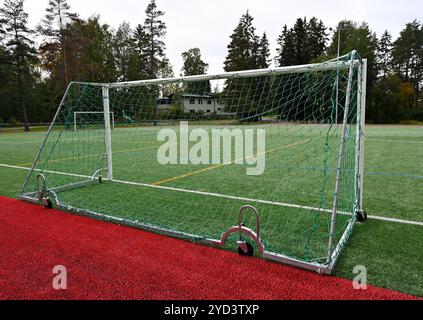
(407, 57)
(247, 51)
(316, 38)
(52, 27)
(140, 60)
(302, 43)
(243, 46)
(22, 50)
(155, 30)
(300, 40)
(384, 54)
(7, 109)
(263, 55)
(286, 51)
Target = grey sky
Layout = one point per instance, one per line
(207, 24)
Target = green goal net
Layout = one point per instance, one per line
(266, 162)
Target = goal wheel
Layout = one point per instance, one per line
(246, 250)
(361, 216)
(48, 204)
(100, 180)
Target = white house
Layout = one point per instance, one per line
(202, 103)
(194, 103)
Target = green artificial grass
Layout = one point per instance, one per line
(393, 188)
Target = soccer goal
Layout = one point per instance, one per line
(263, 162)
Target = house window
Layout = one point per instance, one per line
(192, 111)
(208, 111)
(219, 109)
(209, 101)
(200, 101)
(191, 101)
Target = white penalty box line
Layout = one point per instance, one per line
(223, 196)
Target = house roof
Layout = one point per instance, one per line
(206, 96)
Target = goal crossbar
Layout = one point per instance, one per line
(326, 66)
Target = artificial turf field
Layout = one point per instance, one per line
(107, 261)
(393, 189)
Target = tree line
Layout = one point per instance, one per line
(34, 77)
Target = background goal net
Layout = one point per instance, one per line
(300, 209)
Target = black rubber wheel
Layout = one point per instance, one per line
(361, 216)
(48, 204)
(249, 253)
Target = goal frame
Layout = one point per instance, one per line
(333, 251)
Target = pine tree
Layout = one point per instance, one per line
(407, 57)
(316, 39)
(246, 51)
(155, 30)
(286, 51)
(384, 54)
(21, 48)
(302, 43)
(300, 40)
(243, 48)
(7, 85)
(140, 60)
(263, 61)
(52, 27)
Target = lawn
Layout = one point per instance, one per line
(393, 188)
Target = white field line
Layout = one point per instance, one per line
(398, 141)
(47, 171)
(217, 195)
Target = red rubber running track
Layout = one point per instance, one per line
(107, 261)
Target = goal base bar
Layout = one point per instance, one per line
(321, 268)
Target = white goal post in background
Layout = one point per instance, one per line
(77, 113)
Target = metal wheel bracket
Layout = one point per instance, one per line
(245, 232)
(41, 187)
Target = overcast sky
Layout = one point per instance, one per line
(207, 24)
